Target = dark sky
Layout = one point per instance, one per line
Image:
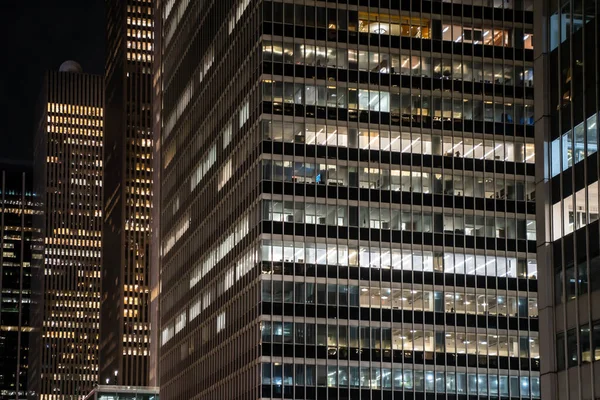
(39, 35)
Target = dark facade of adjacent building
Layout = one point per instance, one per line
(19, 248)
(125, 324)
(153, 376)
(68, 181)
(347, 204)
(567, 119)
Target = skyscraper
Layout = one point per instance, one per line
(567, 52)
(125, 326)
(154, 265)
(19, 247)
(68, 169)
(347, 200)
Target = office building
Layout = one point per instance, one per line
(566, 62)
(125, 326)
(19, 248)
(153, 375)
(347, 200)
(111, 392)
(68, 168)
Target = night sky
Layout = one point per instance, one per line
(39, 35)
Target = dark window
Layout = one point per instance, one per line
(277, 291)
(277, 12)
(289, 13)
(267, 12)
(299, 16)
(595, 273)
(570, 283)
(310, 334)
(560, 351)
(310, 16)
(331, 294)
(288, 292)
(321, 293)
(266, 332)
(300, 292)
(343, 295)
(310, 293)
(558, 285)
(582, 280)
(321, 17)
(300, 335)
(572, 354)
(266, 291)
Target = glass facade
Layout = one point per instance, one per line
(20, 247)
(348, 200)
(567, 188)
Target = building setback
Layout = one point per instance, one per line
(347, 200)
(68, 167)
(567, 59)
(19, 248)
(105, 392)
(125, 325)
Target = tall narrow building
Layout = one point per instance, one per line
(19, 248)
(125, 324)
(154, 265)
(347, 200)
(567, 128)
(68, 169)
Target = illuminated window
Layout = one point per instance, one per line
(227, 133)
(244, 113)
(220, 322)
(180, 322)
(225, 174)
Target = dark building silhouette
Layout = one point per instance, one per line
(125, 322)
(347, 202)
(19, 248)
(68, 180)
(567, 119)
